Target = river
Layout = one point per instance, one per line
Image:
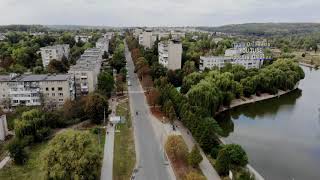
(282, 135)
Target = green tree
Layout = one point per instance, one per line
(105, 83)
(94, 107)
(55, 66)
(72, 155)
(17, 151)
(194, 157)
(223, 162)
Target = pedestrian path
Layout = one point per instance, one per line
(205, 166)
(4, 161)
(107, 164)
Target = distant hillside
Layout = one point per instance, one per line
(267, 28)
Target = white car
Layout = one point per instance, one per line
(129, 83)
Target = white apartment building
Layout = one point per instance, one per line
(103, 44)
(108, 35)
(56, 52)
(147, 39)
(137, 32)
(82, 38)
(248, 60)
(86, 71)
(33, 90)
(2, 37)
(170, 54)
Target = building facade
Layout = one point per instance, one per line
(170, 54)
(87, 69)
(34, 90)
(103, 44)
(82, 38)
(147, 39)
(54, 52)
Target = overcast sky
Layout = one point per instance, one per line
(157, 12)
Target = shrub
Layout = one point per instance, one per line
(176, 147)
(194, 176)
(17, 151)
(194, 157)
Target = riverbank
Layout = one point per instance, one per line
(254, 98)
(307, 65)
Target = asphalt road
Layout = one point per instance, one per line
(151, 162)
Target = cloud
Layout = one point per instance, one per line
(156, 12)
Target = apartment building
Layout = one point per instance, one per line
(56, 52)
(108, 35)
(82, 38)
(33, 90)
(103, 44)
(2, 37)
(86, 71)
(147, 39)
(170, 54)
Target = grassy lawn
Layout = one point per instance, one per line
(124, 153)
(31, 170)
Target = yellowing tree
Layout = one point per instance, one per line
(72, 155)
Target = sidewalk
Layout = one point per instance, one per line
(205, 166)
(107, 163)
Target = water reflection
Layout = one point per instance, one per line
(264, 108)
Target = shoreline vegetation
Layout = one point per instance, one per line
(254, 98)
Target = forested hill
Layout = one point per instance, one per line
(267, 28)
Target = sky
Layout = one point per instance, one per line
(156, 12)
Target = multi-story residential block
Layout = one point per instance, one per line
(2, 37)
(147, 39)
(137, 32)
(86, 71)
(103, 44)
(108, 35)
(54, 52)
(33, 90)
(249, 55)
(82, 38)
(170, 54)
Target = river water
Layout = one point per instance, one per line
(282, 135)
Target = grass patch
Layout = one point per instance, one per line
(124, 153)
(32, 168)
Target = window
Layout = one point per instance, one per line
(53, 94)
(47, 89)
(59, 88)
(60, 100)
(52, 89)
(60, 94)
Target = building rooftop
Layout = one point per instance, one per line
(34, 77)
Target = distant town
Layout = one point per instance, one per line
(189, 103)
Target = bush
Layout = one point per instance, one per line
(223, 162)
(230, 155)
(194, 157)
(237, 155)
(176, 148)
(17, 151)
(194, 176)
